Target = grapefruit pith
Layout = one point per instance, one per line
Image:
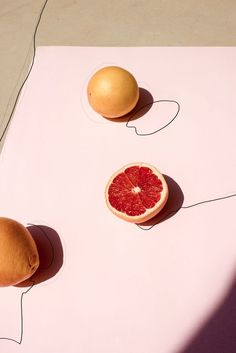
(112, 92)
(137, 192)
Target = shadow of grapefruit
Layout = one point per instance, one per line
(143, 105)
(50, 254)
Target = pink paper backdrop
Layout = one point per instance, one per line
(122, 289)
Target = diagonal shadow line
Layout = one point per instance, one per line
(218, 334)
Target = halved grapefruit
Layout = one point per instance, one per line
(137, 192)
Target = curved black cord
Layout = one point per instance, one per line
(146, 105)
(21, 319)
(4, 131)
(186, 207)
(30, 69)
(210, 200)
(154, 132)
(33, 283)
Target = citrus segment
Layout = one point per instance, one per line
(137, 192)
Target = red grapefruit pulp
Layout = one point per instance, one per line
(137, 192)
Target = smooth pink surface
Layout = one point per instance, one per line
(122, 289)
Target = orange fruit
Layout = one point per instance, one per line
(19, 257)
(137, 192)
(112, 92)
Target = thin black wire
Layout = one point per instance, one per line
(21, 299)
(154, 132)
(146, 105)
(210, 200)
(186, 207)
(21, 319)
(147, 134)
(4, 131)
(30, 69)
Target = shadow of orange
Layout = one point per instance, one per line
(50, 254)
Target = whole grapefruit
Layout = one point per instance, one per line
(112, 92)
(19, 257)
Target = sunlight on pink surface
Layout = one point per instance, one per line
(122, 289)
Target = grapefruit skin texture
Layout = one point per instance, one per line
(19, 257)
(112, 92)
(149, 212)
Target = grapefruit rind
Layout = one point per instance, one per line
(150, 212)
(112, 92)
(19, 256)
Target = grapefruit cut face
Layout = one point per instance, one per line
(137, 192)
